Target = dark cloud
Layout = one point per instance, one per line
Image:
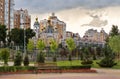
(42, 6)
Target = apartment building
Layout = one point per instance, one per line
(22, 19)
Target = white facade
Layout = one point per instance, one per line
(52, 28)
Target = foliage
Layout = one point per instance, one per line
(3, 33)
(40, 58)
(114, 43)
(87, 62)
(26, 60)
(75, 67)
(15, 68)
(29, 34)
(71, 46)
(17, 35)
(114, 31)
(107, 62)
(18, 59)
(54, 47)
(30, 45)
(40, 45)
(5, 55)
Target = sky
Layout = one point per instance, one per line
(79, 15)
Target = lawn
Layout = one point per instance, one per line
(78, 63)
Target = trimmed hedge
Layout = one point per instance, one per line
(76, 67)
(16, 68)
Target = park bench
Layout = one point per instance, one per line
(46, 66)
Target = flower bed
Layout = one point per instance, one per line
(28, 70)
(68, 71)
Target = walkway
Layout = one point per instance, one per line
(102, 74)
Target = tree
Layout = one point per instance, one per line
(29, 34)
(26, 60)
(114, 31)
(40, 46)
(108, 60)
(5, 55)
(3, 33)
(54, 47)
(71, 46)
(114, 43)
(18, 59)
(17, 36)
(30, 45)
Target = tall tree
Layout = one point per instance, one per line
(3, 33)
(114, 31)
(114, 43)
(5, 55)
(30, 45)
(40, 46)
(71, 46)
(17, 35)
(54, 47)
(29, 34)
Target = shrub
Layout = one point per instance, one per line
(40, 58)
(54, 59)
(76, 67)
(15, 68)
(5, 55)
(86, 62)
(70, 58)
(106, 62)
(18, 60)
(26, 61)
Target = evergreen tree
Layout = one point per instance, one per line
(114, 31)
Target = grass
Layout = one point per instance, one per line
(68, 63)
(78, 63)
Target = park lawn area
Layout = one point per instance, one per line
(69, 63)
(78, 63)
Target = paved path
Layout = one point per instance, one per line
(102, 74)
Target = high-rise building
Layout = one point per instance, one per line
(6, 13)
(22, 19)
(2, 11)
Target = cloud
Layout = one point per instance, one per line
(43, 6)
(97, 19)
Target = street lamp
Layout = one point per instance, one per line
(36, 30)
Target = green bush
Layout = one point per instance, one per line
(106, 62)
(76, 67)
(54, 59)
(16, 68)
(70, 58)
(18, 60)
(5, 55)
(41, 58)
(26, 61)
(86, 62)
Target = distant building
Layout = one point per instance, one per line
(22, 19)
(51, 28)
(93, 37)
(6, 13)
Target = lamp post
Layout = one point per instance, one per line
(36, 30)
(24, 40)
